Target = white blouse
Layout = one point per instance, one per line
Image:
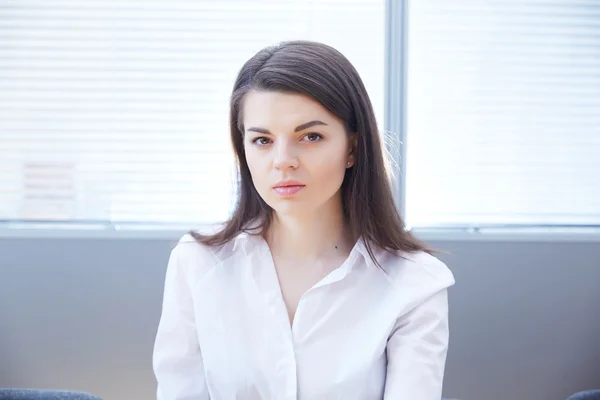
(362, 332)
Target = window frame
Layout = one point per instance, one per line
(395, 81)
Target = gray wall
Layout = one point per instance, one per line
(81, 313)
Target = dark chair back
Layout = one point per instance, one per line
(33, 394)
(587, 395)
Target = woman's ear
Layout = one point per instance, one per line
(352, 143)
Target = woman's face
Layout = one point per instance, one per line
(296, 150)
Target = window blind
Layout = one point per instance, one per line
(117, 111)
(503, 113)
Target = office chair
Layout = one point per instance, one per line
(33, 394)
(587, 395)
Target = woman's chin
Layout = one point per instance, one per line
(291, 209)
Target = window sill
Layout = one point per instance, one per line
(174, 232)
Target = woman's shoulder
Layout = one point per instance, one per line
(188, 251)
(419, 269)
(192, 254)
(191, 246)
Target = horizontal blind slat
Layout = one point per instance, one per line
(118, 109)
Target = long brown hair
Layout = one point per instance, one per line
(324, 74)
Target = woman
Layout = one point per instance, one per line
(313, 289)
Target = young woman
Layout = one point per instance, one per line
(313, 289)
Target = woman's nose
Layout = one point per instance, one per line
(285, 156)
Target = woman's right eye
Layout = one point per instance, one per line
(261, 141)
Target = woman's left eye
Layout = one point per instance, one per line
(313, 137)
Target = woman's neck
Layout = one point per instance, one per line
(310, 237)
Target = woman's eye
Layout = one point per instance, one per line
(313, 137)
(261, 141)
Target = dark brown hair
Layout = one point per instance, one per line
(324, 74)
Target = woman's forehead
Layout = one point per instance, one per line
(265, 109)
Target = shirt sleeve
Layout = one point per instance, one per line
(416, 351)
(177, 359)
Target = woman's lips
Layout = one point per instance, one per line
(287, 191)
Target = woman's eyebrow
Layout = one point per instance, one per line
(259, 130)
(299, 128)
(308, 125)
